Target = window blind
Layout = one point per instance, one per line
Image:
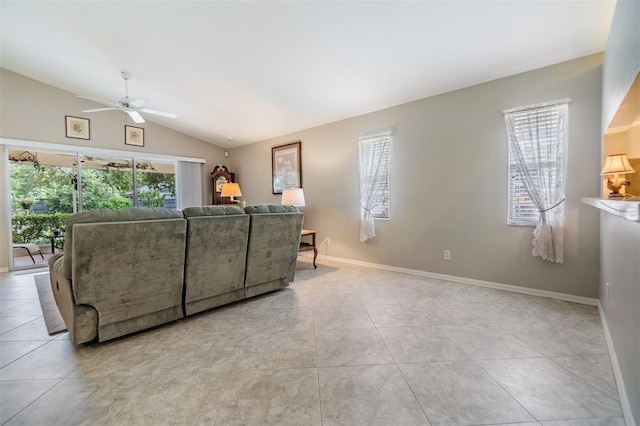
(538, 127)
(373, 148)
(188, 184)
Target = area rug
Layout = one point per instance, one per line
(30, 271)
(52, 318)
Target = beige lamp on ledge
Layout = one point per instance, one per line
(293, 197)
(614, 165)
(231, 190)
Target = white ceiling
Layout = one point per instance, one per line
(256, 70)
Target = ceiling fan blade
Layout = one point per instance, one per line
(139, 103)
(98, 109)
(135, 116)
(162, 113)
(101, 101)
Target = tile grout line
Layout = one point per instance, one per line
(315, 347)
(232, 384)
(36, 399)
(506, 390)
(395, 362)
(551, 358)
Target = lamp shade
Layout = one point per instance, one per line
(293, 197)
(616, 164)
(231, 189)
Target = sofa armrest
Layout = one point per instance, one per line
(81, 320)
(55, 257)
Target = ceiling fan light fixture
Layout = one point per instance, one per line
(132, 108)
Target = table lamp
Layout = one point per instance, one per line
(614, 165)
(231, 190)
(293, 197)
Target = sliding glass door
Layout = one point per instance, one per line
(42, 197)
(155, 184)
(107, 183)
(47, 187)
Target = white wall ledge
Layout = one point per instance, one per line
(627, 209)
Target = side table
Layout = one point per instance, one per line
(305, 246)
(53, 239)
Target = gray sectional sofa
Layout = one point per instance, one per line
(127, 270)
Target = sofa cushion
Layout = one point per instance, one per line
(211, 211)
(121, 215)
(270, 208)
(274, 239)
(216, 253)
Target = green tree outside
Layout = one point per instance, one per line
(54, 187)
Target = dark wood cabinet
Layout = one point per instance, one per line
(219, 176)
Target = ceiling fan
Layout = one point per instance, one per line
(131, 107)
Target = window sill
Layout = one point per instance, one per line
(626, 209)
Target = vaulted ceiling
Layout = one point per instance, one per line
(238, 72)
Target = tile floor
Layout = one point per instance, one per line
(343, 345)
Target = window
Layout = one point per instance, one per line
(537, 135)
(375, 161)
(155, 184)
(374, 164)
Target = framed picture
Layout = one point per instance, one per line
(286, 166)
(134, 135)
(77, 128)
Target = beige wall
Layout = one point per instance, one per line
(30, 110)
(627, 142)
(620, 246)
(632, 147)
(449, 183)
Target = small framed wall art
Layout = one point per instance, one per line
(77, 127)
(286, 167)
(134, 135)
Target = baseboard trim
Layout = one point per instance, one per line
(617, 373)
(462, 280)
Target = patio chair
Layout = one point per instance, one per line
(31, 249)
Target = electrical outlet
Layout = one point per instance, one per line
(447, 255)
(328, 240)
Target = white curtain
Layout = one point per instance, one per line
(373, 167)
(538, 138)
(188, 184)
